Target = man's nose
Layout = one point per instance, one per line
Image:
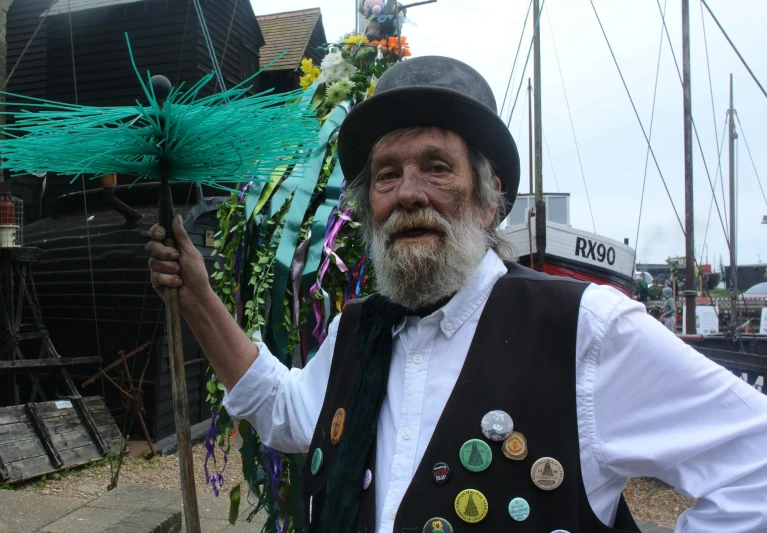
(411, 192)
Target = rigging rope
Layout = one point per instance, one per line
(24, 51)
(551, 162)
(713, 114)
(522, 79)
(229, 31)
(647, 154)
(695, 131)
(572, 125)
(647, 139)
(733, 47)
(209, 45)
(72, 47)
(751, 158)
(711, 203)
(516, 56)
(183, 42)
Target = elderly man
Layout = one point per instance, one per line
(471, 393)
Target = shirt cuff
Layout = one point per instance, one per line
(255, 387)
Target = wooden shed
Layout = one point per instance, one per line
(91, 277)
(298, 34)
(166, 38)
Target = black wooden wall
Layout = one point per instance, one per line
(166, 38)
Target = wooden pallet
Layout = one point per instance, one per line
(42, 438)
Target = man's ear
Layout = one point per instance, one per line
(489, 215)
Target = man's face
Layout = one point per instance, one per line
(429, 168)
(428, 232)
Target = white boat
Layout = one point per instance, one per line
(570, 252)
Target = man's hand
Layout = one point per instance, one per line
(228, 348)
(181, 267)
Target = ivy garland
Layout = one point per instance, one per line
(244, 274)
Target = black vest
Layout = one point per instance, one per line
(522, 361)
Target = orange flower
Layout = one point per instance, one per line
(394, 42)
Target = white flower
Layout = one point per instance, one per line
(338, 90)
(335, 67)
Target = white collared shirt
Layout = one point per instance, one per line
(648, 405)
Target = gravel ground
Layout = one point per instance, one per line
(91, 482)
(651, 499)
(648, 498)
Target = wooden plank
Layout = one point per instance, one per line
(31, 447)
(44, 436)
(37, 363)
(38, 466)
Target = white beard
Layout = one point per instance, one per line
(417, 274)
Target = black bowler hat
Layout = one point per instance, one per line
(431, 91)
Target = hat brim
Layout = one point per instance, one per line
(428, 106)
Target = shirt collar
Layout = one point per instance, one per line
(461, 306)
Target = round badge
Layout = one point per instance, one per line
(519, 509)
(497, 425)
(437, 525)
(441, 473)
(367, 479)
(316, 461)
(337, 425)
(547, 473)
(476, 455)
(471, 505)
(515, 447)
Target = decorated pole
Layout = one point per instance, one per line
(162, 87)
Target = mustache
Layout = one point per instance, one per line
(401, 221)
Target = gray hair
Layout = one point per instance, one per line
(357, 193)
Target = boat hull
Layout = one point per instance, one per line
(576, 254)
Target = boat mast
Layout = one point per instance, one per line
(689, 215)
(734, 309)
(540, 207)
(530, 128)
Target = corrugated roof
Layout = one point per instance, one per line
(65, 6)
(289, 31)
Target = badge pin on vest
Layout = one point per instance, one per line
(471, 506)
(437, 525)
(497, 425)
(515, 447)
(547, 473)
(476, 455)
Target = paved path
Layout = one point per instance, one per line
(140, 508)
(130, 509)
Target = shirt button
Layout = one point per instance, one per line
(393, 513)
(417, 358)
(407, 434)
(448, 326)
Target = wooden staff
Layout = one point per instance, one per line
(162, 86)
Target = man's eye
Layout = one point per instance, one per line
(386, 176)
(438, 169)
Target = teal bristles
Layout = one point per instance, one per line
(226, 137)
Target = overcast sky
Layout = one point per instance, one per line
(485, 34)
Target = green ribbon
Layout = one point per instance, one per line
(302, 181)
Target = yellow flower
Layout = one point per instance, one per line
(372, 87)
(307, 65)
(356, 39)
(311, 73)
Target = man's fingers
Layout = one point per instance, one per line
(164, 267)
(159, 251)
(167, 280)
(183, 241)
(157, 233)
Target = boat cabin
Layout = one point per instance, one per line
(557, 209)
